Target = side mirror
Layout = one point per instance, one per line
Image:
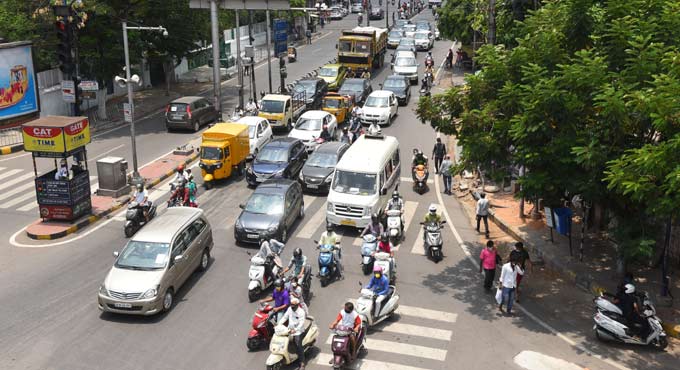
(178, 258)
(250, 158)
(242, 206)
(115, 254)
(443, 222)
(316, 242)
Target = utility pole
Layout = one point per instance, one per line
(269, 52)
(128, 83)
(387, 14)
(492, 22)
(238, 59)
(217, 86)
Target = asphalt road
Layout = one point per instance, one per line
(49, 318)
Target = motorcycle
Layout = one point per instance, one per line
(433, 240)
(328, 268)
(259, 281)
(386, 262)
(134, 218)
(355, 128)
(281, 353)
(262, 328)
(292, 54)
(175, 202)
(420, 175)
(368, 247)
(342, 354)
(394, 226)
(610, 325)
(305, 282)
(429, 62)
(366, 302)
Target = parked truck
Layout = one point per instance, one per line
(282, 110)
(224, 149)
(362, 48)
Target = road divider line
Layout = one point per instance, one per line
(418, 331)
(106, 152)
(364, 364)
(313, 223)
(427, 313)
(401, 348)
(409, 211)
(419, 245)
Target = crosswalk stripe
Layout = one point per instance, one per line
(365, 364)
(409, 211)
(19, 179)
(313, 223)
(28, 206)
(9, 173)
(401, 348)
(18, 189)
(427, 313)
(408, 179)
(418, 245)
(15, 201)
(417, 330)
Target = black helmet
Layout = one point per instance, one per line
(395, 195)
(329, 227)
(297, 253)
(384, 236)
(278, 283)
(140, 187)
(374, 217)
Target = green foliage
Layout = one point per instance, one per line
(27, 20)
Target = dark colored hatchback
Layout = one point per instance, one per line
(314, 88)
(280, 158)
(317, 173)
(189, 112)
(358, 88)
(400, 86)
(270, 211)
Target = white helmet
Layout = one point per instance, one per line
(433, 208)
(629, 288)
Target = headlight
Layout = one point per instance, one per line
(328, 179)
(238, 225)
(219, 165)
(103, 291)
(150, 293)
(367, 211)
(272, 229)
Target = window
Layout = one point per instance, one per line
(289, 199)
(388, 169)
(226, 152)
(181, 243)
(395, 159)
(211, 153)
(260, 129)
(196, 228)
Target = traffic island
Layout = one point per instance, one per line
(11, 149)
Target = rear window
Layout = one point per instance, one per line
(178, 107)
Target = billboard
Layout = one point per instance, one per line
(18, 91)
(56, 136)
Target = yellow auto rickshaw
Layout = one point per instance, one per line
(338, 105)
(224, 148)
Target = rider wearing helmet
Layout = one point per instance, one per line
(380, 286)
(325, 135)
(180, 174)
(432, 215)
(281, 298)
(181, 193)
(297, 263)
(628, 304)
(418, 158)
(375, 227)
(329, 237)
(396, 203)
(384, 244)
(142, 198)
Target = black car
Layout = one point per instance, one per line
(314, 89)
(377, 13)
(359, 88)
(189, 112)
(270, 211)
(400, 86)
(280, 158)
(317, 173)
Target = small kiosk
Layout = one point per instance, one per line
(64, 193)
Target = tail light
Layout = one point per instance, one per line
(167, 108)
(189, 111)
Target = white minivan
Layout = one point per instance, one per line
(364, 180)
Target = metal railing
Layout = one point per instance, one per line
(11, 136)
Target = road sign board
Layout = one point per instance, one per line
(89, 95)
(243, 4)
(127, 112)
(68, 91)
(89, 85)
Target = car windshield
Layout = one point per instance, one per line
(345, 46)
(394, 82)
(308, 124)
(271, 106)
(421, 36)
(407, 42)
(251, 132)
(273, 154)
(328, 72)
(396, 34)
(376, 101)
(143, 256)
(321, 159)
(409, 28)
(354, 183)
(352, 86)
(211, 153)
(308, 88)
(270, 204)
(332, 103)
(405, 62)
(422, 26)
(362, 47)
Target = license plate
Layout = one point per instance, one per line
(348, 222)
(122, 305)
(177, 116)
(252, 236)
(312, 186)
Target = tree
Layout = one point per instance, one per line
(29, 20)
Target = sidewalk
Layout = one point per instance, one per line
(102, 206)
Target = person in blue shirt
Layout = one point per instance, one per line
(380, 286)
(281, 298)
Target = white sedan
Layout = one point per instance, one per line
(309, 126)
(380, 107)
(424, 40)
(259, 132)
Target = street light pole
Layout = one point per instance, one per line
(217, 86)
(135, 169)
(269, 52)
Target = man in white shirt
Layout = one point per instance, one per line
(62, 172)
(142, 198)
(295, 316)
(482, 211)
(508, 282)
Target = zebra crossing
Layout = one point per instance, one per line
(419, 338)
(17, 189)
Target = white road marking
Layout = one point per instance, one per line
(9, 173)
(408, 179)
(20, 199)
(357, 242)
(409, 211)
(106, 152)
(18, 189)
(417, 330)
(28, 207)
(531, 360)
(427, 313)
(364, 364)
(401, 348)
(419, 245)
(313, 223)
(16, 180)
(308, 200)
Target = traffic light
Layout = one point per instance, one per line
(64, 47)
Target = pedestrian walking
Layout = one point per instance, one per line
(482, 211)
(508, 281)
(308, 33)
(520, 255)
(438, 153)
(487, 262)
(445, 170)
(322, 21)
(394, 16)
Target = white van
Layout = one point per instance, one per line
(364, 180)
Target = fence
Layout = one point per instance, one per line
(11, 136)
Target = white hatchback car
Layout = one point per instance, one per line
(424, 40)
(309, 126)
(380, 107)
(259, 132)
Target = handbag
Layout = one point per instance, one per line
(499, 295)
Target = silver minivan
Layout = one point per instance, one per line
(155, 263)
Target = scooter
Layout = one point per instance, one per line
(433, 240)
(386, 262)
(262, 330)
(420, 175)
(610, 325)
(342, 355)
(305, 282)
(259, 281)
(366, 302)
(369, 246)
(134, 218)
(280, 345)
(328, 268)
(394, 226)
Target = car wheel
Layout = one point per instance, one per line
(196, 126)
(205, 261)
(302, 211)
(284, 235)
(289, 126)
(168, 299)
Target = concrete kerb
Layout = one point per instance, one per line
(94, 218)
(11, 149)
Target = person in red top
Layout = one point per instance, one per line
(384, 244)
(349, 318)
(487, 261)
(181, 193)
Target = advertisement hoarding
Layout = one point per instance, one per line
(18, 92)
(57, 135)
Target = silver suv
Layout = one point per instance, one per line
(155, 263)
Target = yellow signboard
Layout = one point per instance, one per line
(56, 134)
(43, 139)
